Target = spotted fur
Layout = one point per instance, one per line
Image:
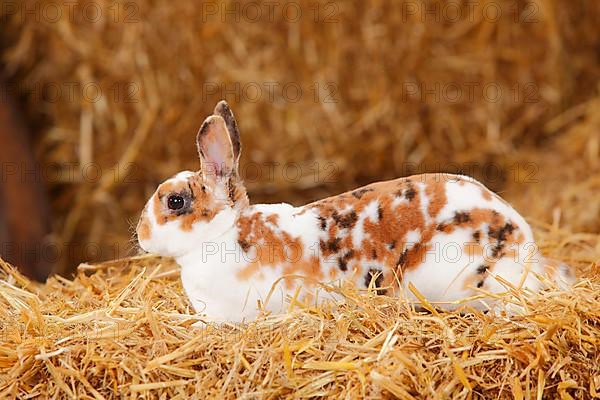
(446, 234)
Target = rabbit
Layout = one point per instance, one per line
(447, 235)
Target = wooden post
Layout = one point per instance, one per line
(24, 220)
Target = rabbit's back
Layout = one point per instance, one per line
(434, 227)
(445, 233)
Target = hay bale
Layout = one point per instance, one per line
(384, 86)
(123, 329)
(559, 183)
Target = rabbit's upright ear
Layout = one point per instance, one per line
(215, 148)
(223, 110)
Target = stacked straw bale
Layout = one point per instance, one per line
(387, 88)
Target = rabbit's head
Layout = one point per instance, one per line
(192, 208)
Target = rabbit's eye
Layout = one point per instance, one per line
(175, 202)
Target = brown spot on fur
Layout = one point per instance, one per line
(485, 193)
(501, 236)
(273, 219)
(310, 268)
(346, 221)
(460, 217)
(333, 245)
(402, 259)
(436, 192)
(245, 246)
(144, 230)
(322, 223)
(343, 260)
(237, 192)
(231, 190)
(360, 192)
(410, 193)
(477, 279)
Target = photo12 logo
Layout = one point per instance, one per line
(52, 12)
(51, 252)
(470, 92)
(264, 251)
(67, 172)
(489, 173)
(269, 11)
(74, 92)
(524, 12)
(271, 91)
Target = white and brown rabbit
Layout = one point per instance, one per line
(448, 235)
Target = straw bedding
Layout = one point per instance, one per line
(124, 329)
